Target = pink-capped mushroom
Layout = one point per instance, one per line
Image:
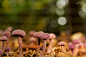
(76, 41)
(3, 39)
(61, 44)
(32, 41)
(20, 34)
(72, 47)
(8, 49)
(7, 34)
(52, 36)
(44, 36)
(36, 35)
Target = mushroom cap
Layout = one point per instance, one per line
(10, 28)
(80, 44)
(76, 41)
(33, 39)
(8, 48)
(36, 35)
(17, 33)
(1, 52)
(61, 43)
(7, 34)
(31, 33)
(52, 35)
(3, 38)
(44, 36)
(72, 46)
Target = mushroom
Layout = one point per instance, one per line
(76, 41)
(72, 47)
(44, 36)
(36, 35)
(20, 34)
(3, 39)
(61, 44)
(8, 49)
(7, 34)
(32, 41)
(1, 52)
(51, 41)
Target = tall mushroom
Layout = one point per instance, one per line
(61, 44)
(44, 36)
(36, 35)
(51, 41)
(20, 34)
(3, 39)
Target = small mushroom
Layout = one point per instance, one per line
(44, 36)
(72, 47)
(52, 36)
(7, 34)
(1, 53)
(36, 35)
(61, 44)
(3, 39)
(8, 49)
(32, 41)
(20, 34)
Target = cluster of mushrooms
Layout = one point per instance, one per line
(45, 44)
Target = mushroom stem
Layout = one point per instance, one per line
(38, 47)
(3, 46)
(20, 45)
(7, 46)
(7, 53)
(50, 45)
(44, 48)
(72, 50)
(61, 48)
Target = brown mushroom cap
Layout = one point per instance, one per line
(17, 33)
(44, 36)
(61, 43)
(33, 39)
(52, 35)
(3, 38)
(36, 35)
(31, 33)
(7, 34)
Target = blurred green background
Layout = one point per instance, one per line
(46, 15)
